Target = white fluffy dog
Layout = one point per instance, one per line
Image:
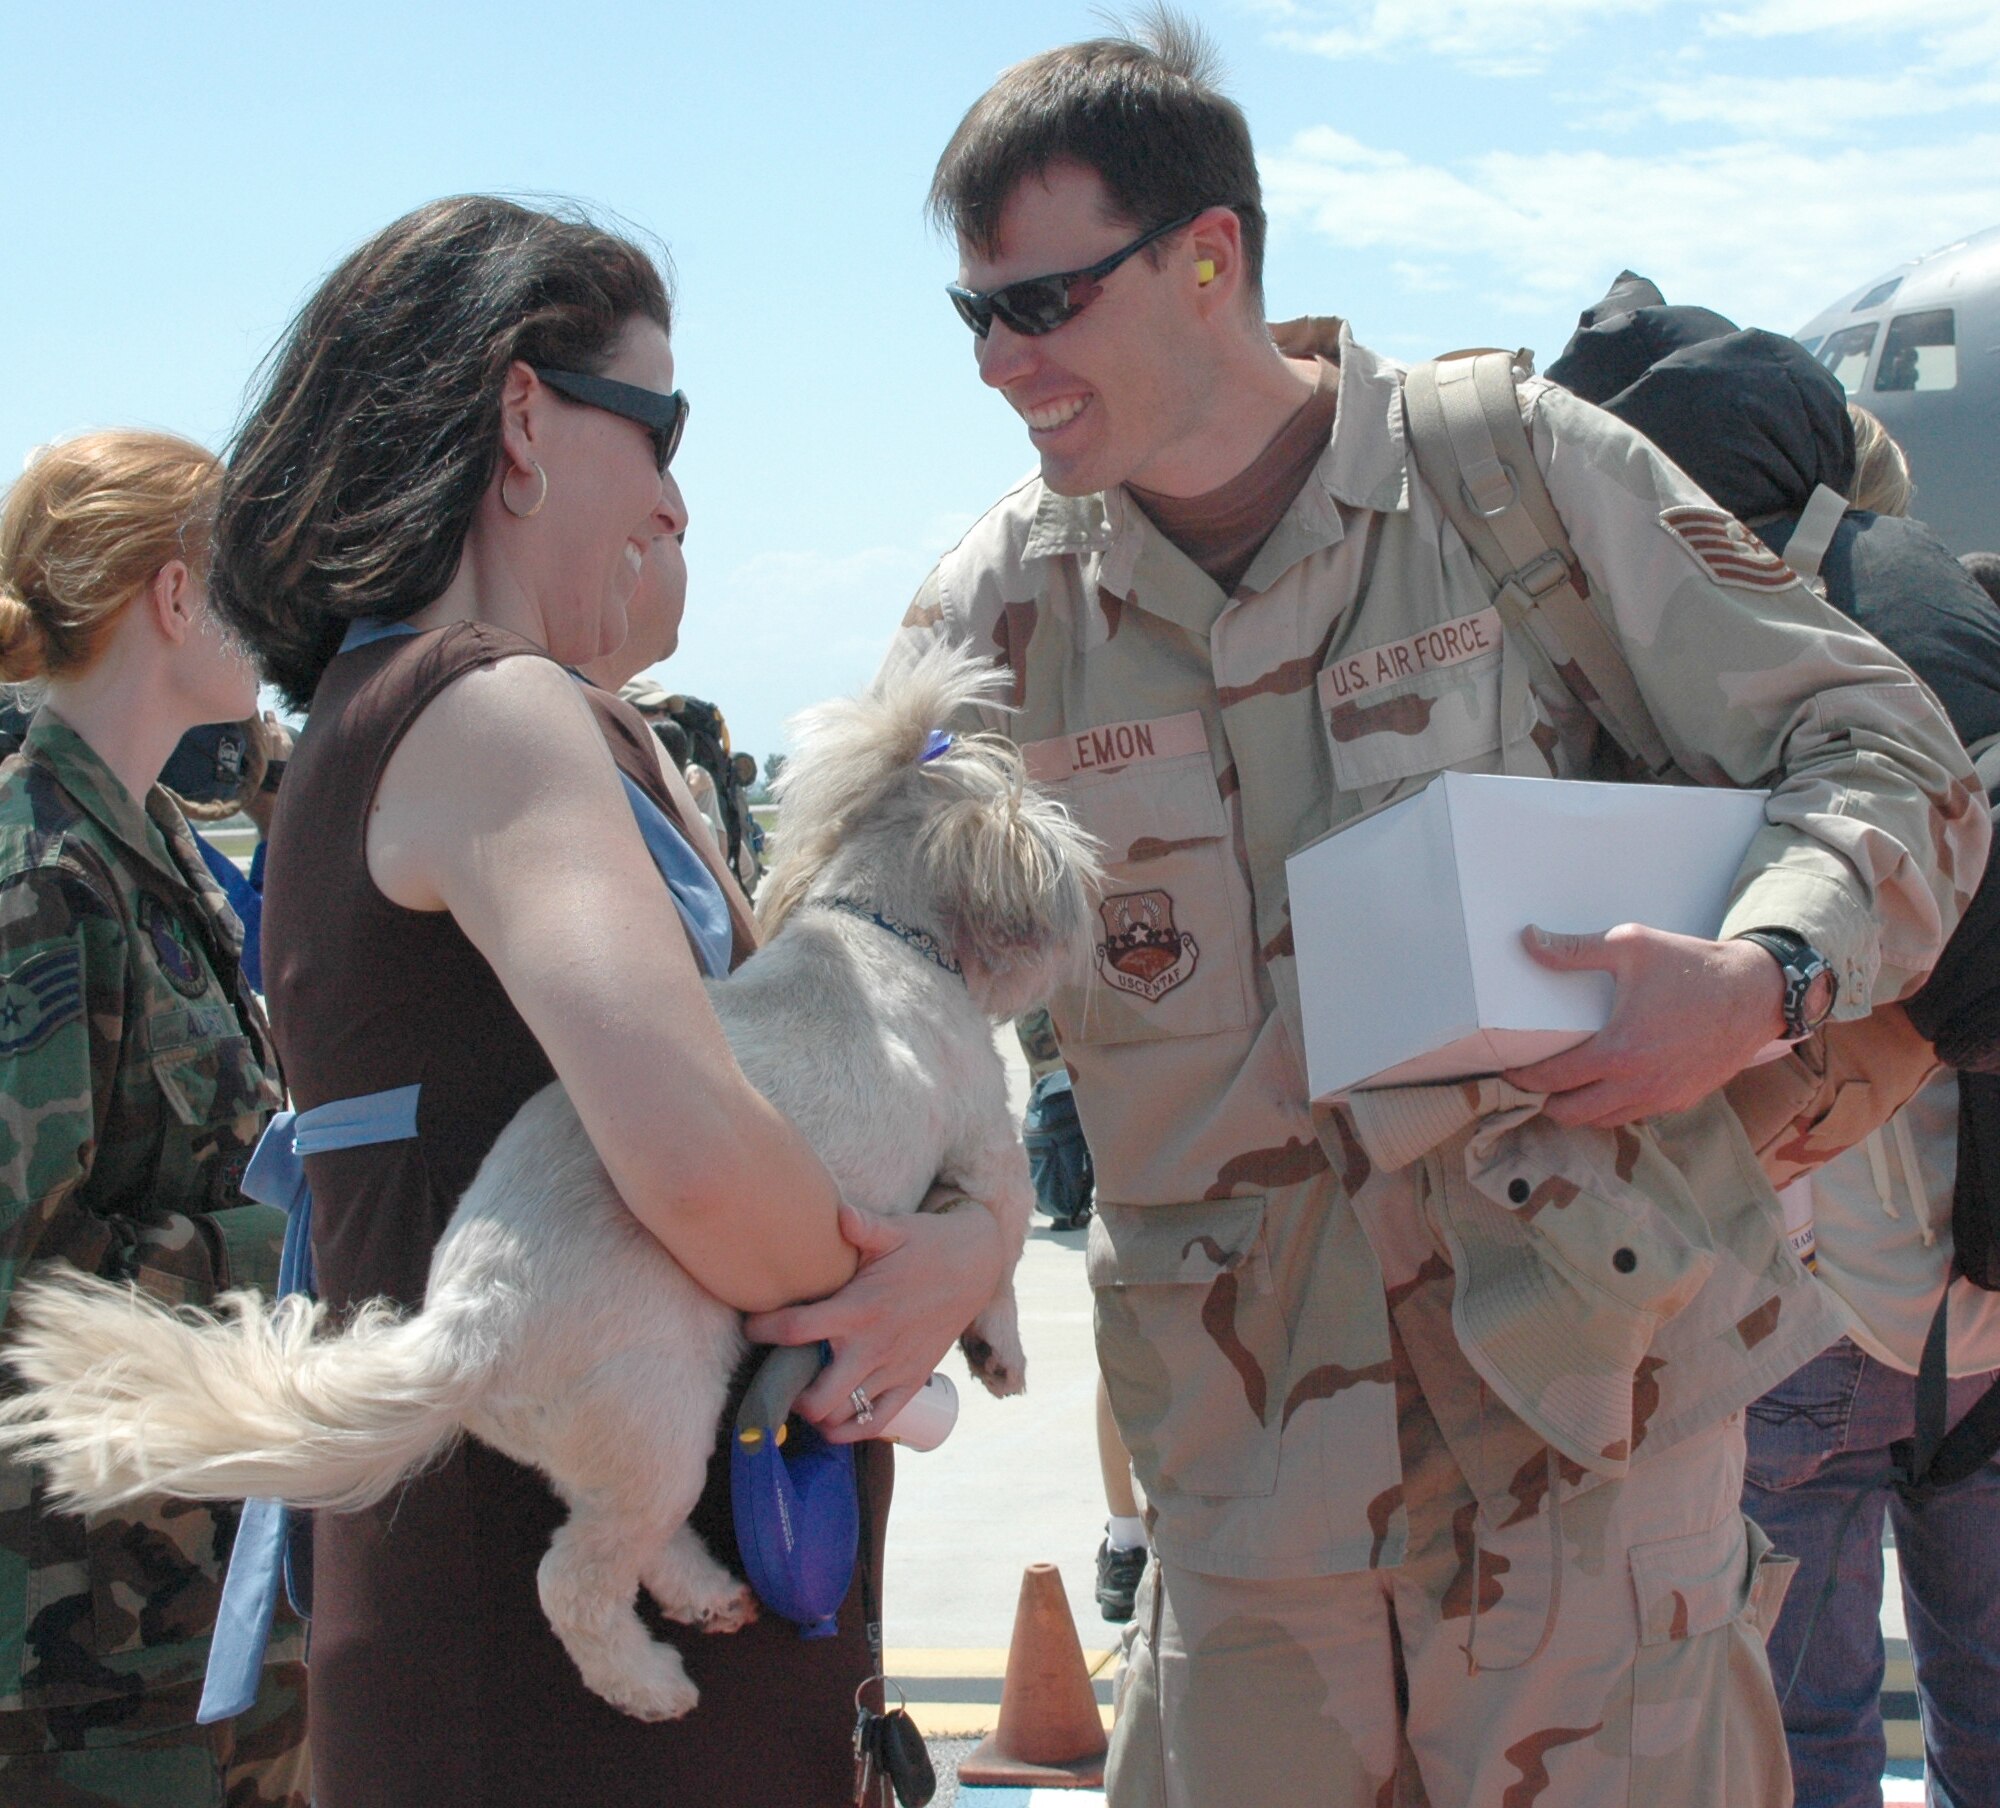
(554, 1326)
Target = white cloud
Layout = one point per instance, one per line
(1822, 18)
(1494, 37)
(1767, 232)
(1795, 109)
(1502, 37)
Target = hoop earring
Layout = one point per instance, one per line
(526, 514)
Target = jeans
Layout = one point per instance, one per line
(1819, 1445)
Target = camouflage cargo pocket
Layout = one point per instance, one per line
(252, 1239)
(213, 1081)
(156, 1573)
(1171, 944)
(1192, 1341)
(1705, 1721)
(100, 1586)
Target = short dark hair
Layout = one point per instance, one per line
(1142, 111)
(673, 737)
(1985, 569)
(357, 471)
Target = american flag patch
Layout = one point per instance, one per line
(1725, 549)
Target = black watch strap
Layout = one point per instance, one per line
(1802, 966)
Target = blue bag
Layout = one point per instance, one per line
(796, 1505)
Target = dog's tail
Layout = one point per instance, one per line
(123, 1397)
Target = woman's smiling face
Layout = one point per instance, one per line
(609, 505)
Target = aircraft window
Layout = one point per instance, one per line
(1877, 295)
(1845, 353)
(1920, 352)
(1812, 344)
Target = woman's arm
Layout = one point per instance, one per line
(501, 804)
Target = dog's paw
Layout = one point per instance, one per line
(1001, 1371)
(656, 1687)
(730, 1614)
(668, 1701)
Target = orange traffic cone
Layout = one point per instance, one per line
(1049, 1734)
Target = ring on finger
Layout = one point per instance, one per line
(864, 1410)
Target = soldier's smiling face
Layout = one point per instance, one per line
(1109, 395)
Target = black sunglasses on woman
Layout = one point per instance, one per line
(663, 416)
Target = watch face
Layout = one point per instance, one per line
(1810, 986)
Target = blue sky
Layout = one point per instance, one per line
(1442, 172)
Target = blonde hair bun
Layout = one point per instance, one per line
(23, 646)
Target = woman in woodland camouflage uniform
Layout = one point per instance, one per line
(136, 1073)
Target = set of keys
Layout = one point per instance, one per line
(888, 1748)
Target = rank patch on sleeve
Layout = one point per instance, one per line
(1726, 550)
(38, 998)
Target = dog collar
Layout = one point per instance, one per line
(921, 940)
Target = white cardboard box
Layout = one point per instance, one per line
(1408, 922)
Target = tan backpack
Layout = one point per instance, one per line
(1470, 447)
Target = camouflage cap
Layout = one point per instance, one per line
(1566, 1266)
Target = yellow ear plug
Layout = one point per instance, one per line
(1204, 270)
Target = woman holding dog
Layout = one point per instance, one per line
(445, 496)
(136, 1073)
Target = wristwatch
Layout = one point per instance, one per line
(1810, 983)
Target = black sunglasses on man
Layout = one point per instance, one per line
(663, 416)
(1039, 304)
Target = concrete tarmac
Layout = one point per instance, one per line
(1016, 1483)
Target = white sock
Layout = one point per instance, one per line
(1125, 1533)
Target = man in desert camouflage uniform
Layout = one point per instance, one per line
(1437, 1400)
(135, 1076)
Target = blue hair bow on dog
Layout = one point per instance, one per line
(797, 1509)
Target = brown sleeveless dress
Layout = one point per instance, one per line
(435, 1679)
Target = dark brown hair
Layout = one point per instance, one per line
(355, 476)
(1142, 111)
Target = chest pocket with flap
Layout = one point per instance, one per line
(1171, 944)
(1448, 716)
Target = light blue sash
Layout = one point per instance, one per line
(277, 1176)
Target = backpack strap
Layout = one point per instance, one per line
(1934, 1459)
(1822, 513)
(1471, 449)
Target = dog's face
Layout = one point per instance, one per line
(1010, 875)
(953, 837)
